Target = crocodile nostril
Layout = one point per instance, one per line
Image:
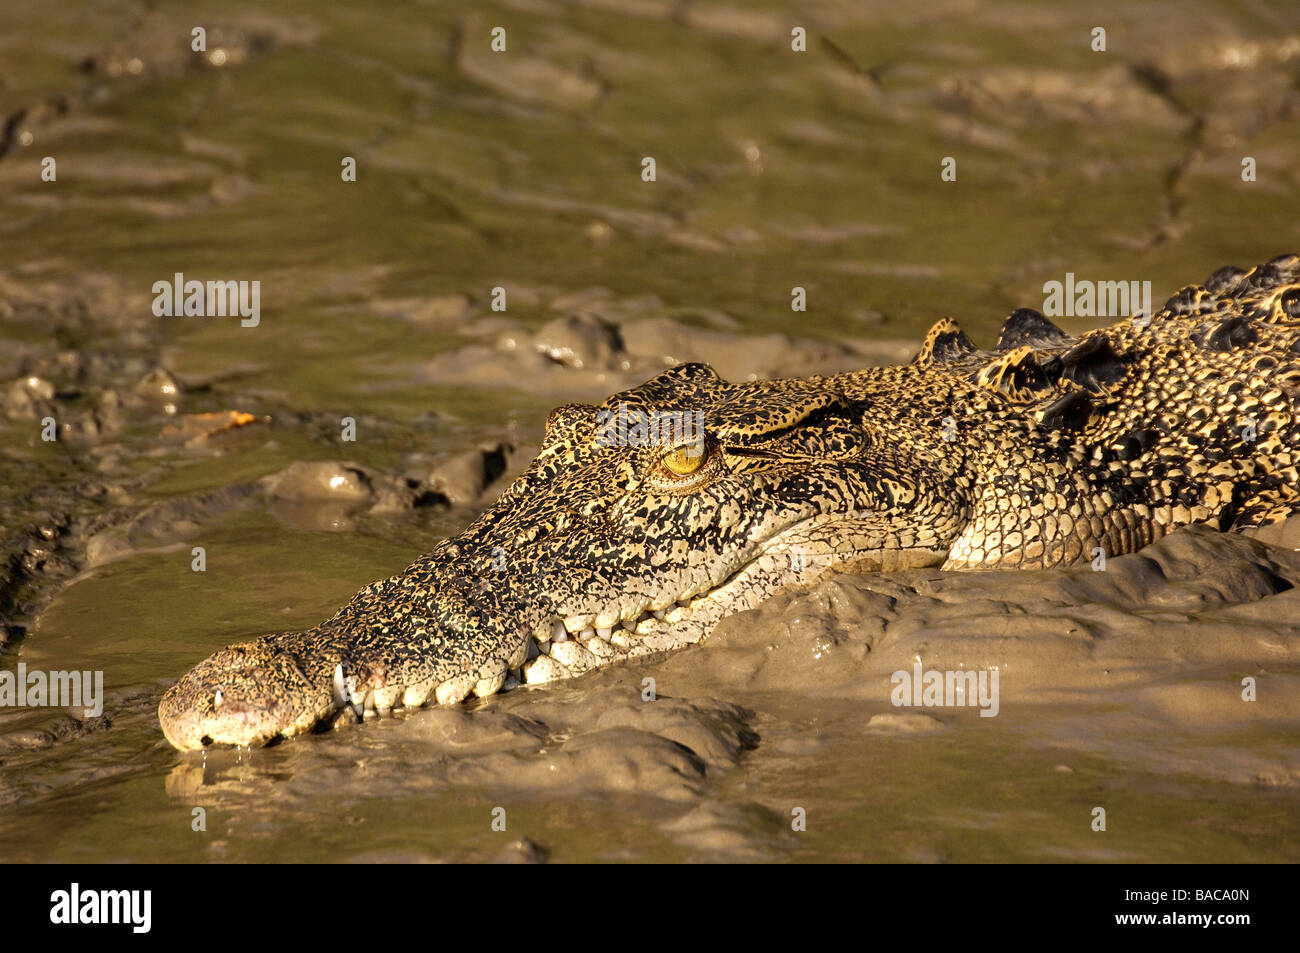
(206, 740)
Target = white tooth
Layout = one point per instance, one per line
(576, 623)
(543, 669)
(559, 637)
(602, 649)
(417, 694)
(489, 686)
(604, 631)
(454, 690)
(340, 687)
(355, 695)
(586, 634)
(534, 649)
(558, 631)
(512, 681)
(574, 656)
(658, 614)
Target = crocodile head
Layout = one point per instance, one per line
(640, 524)
(645, 520)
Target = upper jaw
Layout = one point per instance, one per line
(334, 670)
(682, 613)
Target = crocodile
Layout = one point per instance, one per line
(622, 540)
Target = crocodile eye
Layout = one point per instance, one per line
(686, 459)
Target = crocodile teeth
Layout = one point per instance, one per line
(386, 698)
(417, 694)
(603, 650)
(570, 647)
(579, 643)
(574, 656)
(543, 669)
(676, 614)
(489, 686)
(455, 690)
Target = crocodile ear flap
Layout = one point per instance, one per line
(1027, 326)
(1093, 364)
(1017, 375)
(754, 416)
(945, 342)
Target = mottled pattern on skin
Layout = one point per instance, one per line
(1039, 454)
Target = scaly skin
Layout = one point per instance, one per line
(1032, 456)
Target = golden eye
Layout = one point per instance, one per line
(686, 459)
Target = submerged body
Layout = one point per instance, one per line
(1047, 451)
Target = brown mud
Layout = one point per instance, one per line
(1120, 689)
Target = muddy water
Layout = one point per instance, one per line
(1119, 690)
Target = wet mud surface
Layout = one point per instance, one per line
(1120, 689)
